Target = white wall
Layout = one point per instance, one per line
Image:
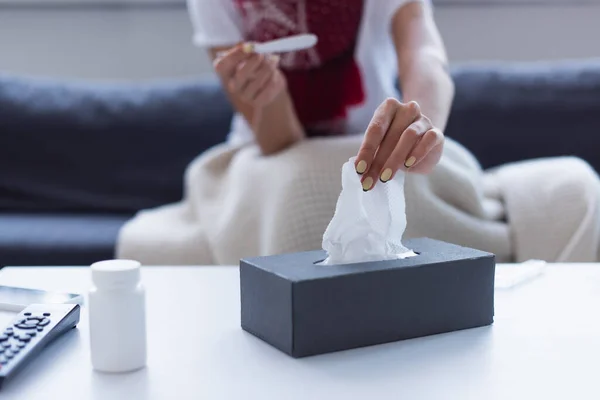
(138, 44)
(112, 44)
(520, 33)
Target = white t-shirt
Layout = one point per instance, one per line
(217, 23)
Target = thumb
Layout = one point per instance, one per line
(274, 59)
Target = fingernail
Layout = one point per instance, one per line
(275, 58)
(409, 163)
(386, 175)
(361, 167)
(248, 48)
(367, 184)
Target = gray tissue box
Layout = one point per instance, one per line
(306, 309)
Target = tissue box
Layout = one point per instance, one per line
(305, 309)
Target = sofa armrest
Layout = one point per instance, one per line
(103, 147)
(510, 112)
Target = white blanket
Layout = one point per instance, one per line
(239, 204)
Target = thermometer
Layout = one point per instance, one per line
(290, 43)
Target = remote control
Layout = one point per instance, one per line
(32, 330)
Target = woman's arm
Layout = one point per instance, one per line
(409, 136)
(422, 62)
(257, 89)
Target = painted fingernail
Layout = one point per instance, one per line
(409, 163)
(361, 167)
(248, 48)
(385, 175)
(367, 184)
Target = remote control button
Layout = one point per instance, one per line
(15, 349)
(46, 314)
(21, 344)
(32, 333)
(8, 354)
(3, 338)
(40, 328)
(2, 350)
(24, 338)
(44, 322)
(9, 328)
(5, 344)
(24, 326)
(3, 360)
(21, 321)
(27, 314)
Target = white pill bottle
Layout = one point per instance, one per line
(117, 315)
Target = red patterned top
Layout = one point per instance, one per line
(325, 80)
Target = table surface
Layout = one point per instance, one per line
(544, 344)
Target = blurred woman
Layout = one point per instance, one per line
(269, 190)
(346, 84)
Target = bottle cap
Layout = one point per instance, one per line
(115, 273)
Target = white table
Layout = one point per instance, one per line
(545, 344)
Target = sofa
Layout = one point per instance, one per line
(77, 159)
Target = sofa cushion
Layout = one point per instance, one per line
(124, 147)
(514, 111)
(57, 239)
(103, 147)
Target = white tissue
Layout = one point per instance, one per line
(366, 226)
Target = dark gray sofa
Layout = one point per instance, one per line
(78, 159)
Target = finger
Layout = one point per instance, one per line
(262, 75)
(266, 93)
(273, 60)
(405, 116)
(272, 84)
(246, 72)
(247, 47)
(430, 140)
(226, 65)
(382, 118)
(261, 79)
(410, 139)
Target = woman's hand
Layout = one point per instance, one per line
(254, 78)
(399, 137)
